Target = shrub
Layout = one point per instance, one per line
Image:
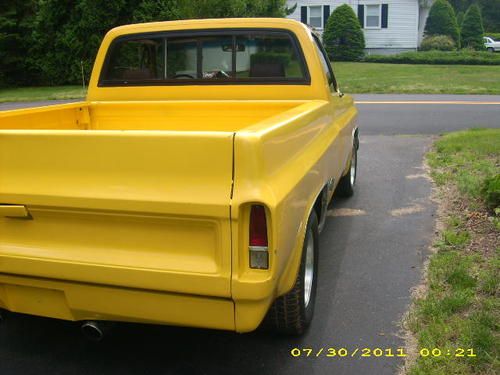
(472, 29)
(491, 191)
(462, 57)
(442, 21)
(343, 37)
(495, 36)
(438, 43)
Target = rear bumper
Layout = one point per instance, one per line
(75, 301)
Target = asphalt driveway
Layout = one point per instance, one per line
(371, 255)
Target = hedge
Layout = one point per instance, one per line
(438, 58)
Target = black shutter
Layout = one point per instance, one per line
(385, 15)
(361, 15)
(303, 15)
(326, 14)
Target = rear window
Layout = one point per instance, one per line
(204, 57)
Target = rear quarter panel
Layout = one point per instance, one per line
(283, 163)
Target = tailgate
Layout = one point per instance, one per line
(137, 209)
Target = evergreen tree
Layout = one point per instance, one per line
(442, 21)
(490, 10)
(47, 58)
(343, 37)
(153, 10)
(233, 8)
(16, 20)
(472, 29)
(46, 41)
(460, 19)
(82, 35)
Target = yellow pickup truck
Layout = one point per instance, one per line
(189, 188)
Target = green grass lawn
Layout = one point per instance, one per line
(460, 312)
(417, 79)
(26, 94)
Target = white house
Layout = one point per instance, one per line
(389, 26)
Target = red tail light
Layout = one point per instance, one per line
(258, 226)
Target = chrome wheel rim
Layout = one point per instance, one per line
(309, 269)
(354, 161)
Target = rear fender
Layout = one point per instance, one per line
(289, 275)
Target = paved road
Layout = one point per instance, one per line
(372, 251)
(426, 114)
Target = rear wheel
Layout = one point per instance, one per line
(3, 315)
(293, 312)
(346, 184)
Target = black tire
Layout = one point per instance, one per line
(490, 49)
(3, 315)
(291, 314)
(345, 188)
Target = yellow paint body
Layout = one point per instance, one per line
(137, 199)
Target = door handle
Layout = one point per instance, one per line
(14, 211)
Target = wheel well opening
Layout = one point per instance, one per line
(318, 205)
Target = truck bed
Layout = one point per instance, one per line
(145, 208)
(224, 116)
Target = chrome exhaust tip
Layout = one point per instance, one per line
(92, 331)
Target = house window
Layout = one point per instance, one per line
(316, 17)
(372, 16)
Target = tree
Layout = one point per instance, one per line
(472, 29)
(343, 37)
(153, 10)
(442, 21)
(67, 34)
(233, 8)
(46, 41)
(460, 19)
(47, 58)
(490, 10)
(16, 19)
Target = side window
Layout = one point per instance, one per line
(327, 68)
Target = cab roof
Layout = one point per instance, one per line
(215, 23)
